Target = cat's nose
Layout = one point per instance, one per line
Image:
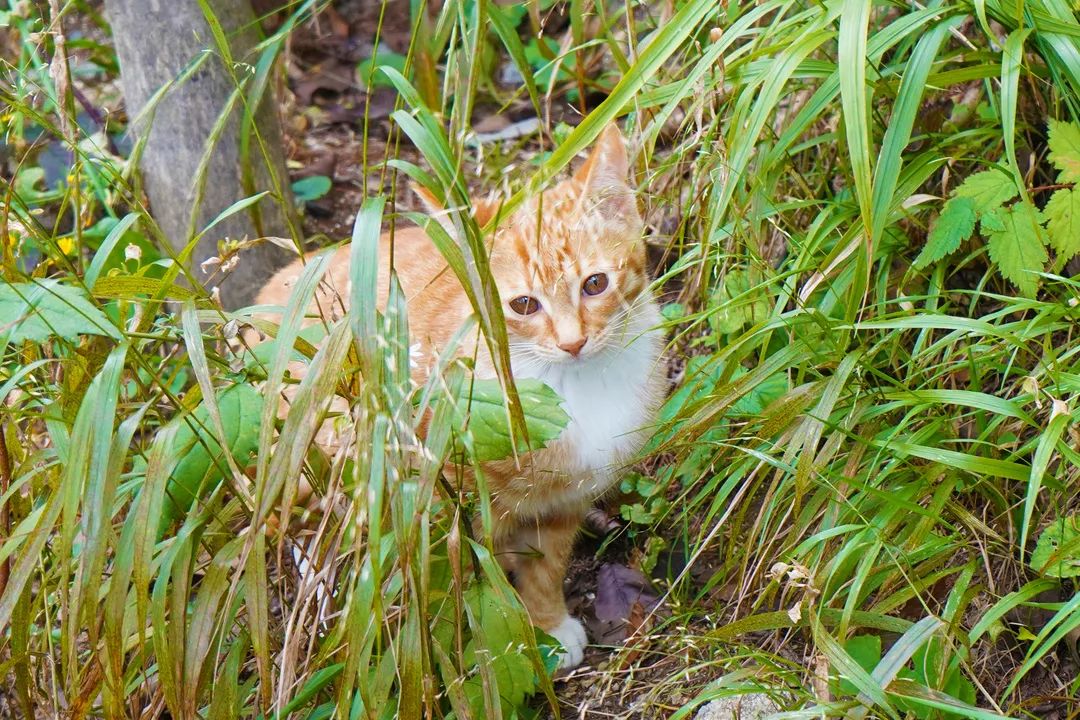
(574, 346)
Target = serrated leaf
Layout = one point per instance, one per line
(37, 311)
(1064, 143)
(489, 422)
(739, 304)
(1016, 244)
(987, 190)
(1062, 215)
(202, 464)
(1062, 535)
(955, 225)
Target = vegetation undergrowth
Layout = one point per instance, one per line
(861, 499)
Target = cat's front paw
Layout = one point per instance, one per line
(571, 634)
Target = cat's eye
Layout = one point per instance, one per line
(524, 305)
(594, 284)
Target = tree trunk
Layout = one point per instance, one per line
(155, 41)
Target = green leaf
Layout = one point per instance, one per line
(1062, 536)
(542, 67)
(1062, 215)
(311, 188)
(489, 421)
(703, 379)
(26, 181)
(513, 13)
(318, 680)
(930, 700)
(367, 74)
(738, 304)
(988, 190)
(953, 226)
(1016, 244)
(262, 355)
(504, 635)
(929, 662)
(202, 464)
(865, 650)
(673, 312)
(1065, 150)
(37, 311)
(136, 287)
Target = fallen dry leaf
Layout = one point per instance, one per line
(332, 77)
(618, 590)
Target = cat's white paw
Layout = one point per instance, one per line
(571, 634)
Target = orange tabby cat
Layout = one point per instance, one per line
(581, 318)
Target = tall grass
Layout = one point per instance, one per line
(857, 461)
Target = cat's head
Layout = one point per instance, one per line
(570, 263)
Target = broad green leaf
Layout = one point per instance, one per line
(305, 347)
(367, 71)
(955, 225)
(1016, 245)
(489, 422)
(865, 650)
(311, 188)
(503, 637)
(931, 700)
(1065, 150)
(27, 180)
(1061, 539)
(1062, 215)
(845, 666)
(739, 304)
(988, 190)
(37, 311)
(202, 463)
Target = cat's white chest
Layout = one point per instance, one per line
(611, 400)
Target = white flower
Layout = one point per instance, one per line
(415, 354)
(132, 252)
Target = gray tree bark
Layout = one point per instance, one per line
(155, 41)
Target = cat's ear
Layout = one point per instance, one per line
(607, 163)
(484, 209)
(605, 174)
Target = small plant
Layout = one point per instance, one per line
(1017, 235)
(927, 668)
(1057, 552)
